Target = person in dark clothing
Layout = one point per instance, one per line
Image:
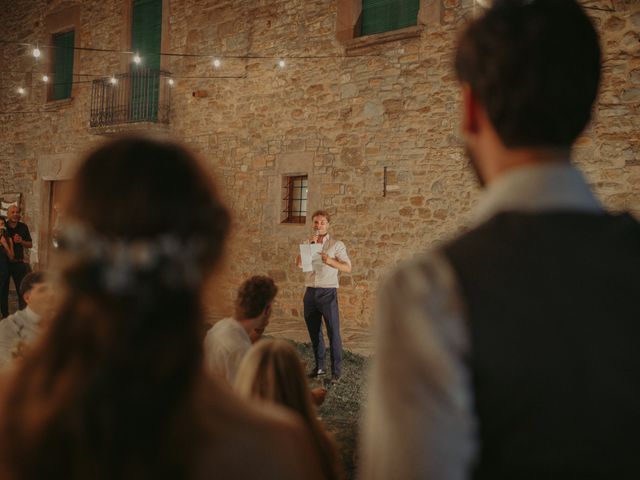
(6, 256)
(18, 268)
(511, 352)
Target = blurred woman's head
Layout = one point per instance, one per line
(272, 371)
(144, 229)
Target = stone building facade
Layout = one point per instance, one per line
(372, 121)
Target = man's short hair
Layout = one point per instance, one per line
(30, 280)
(254, 295)
(534, 65)
(321, 213)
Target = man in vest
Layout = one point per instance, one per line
(512, 351)
(321, 296)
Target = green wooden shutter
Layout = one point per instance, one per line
(146, 31)
(62, 65)
(146, 35)
(385, 15)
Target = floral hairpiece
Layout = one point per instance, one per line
(169, 258)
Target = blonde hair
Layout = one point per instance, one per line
(273, 371)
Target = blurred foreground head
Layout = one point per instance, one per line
(96, 398)
(532, 68)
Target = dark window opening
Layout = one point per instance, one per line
(295, 199)
(62, 65)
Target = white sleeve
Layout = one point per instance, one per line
(8, 340)
(419, 421)
(341, 252)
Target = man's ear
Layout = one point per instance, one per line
(470, 111)
(27, 297)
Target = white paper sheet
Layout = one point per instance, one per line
(310, 256)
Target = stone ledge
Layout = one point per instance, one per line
(146, 127)
(57, 104)
(360, 43)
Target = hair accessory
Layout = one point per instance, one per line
(122, 262)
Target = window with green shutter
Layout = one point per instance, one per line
(62, 65)
(385, 15)
(146, 31)
(146, 36)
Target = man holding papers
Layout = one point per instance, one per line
(321, 258)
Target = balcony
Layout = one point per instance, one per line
(142, 96)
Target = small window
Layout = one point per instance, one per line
(385, 15)
(294, 199)
(62, 65)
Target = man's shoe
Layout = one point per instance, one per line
(317, 372)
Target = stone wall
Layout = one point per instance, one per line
(341, 113)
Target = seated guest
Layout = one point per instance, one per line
(272, 371)
(229, 339)
(20, 329)
(115, 387)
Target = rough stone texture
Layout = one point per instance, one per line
(341, 119)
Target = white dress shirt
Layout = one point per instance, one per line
(419, 420)
(225, 345)
(327, 276)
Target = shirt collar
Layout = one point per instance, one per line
(536, 188)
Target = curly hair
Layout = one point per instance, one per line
(254, 295)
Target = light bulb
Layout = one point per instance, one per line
(171, 82)
(21, 91)
(45, 78)
(282, 63)
(217, 62)
(113, 80)
(137, 59)
(36, 52)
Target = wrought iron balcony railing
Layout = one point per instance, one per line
(142, 95)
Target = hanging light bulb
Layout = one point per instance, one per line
(21, 91)
(36, 52)
(45, 78)
(136, 59)
(217, 62)
(171, 82)
(282, 63)
(113, 80)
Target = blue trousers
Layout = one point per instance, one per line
(322, 303)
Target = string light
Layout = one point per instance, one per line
(217, 62)
(21, 91)
(36, 52)
(45, 78)
(171, 82)
(136, 59)
(113, 80)
(282, 63)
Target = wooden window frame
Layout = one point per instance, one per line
(288, 199)
(348, 18)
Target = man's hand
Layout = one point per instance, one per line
(17, 238)
(326, 259)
